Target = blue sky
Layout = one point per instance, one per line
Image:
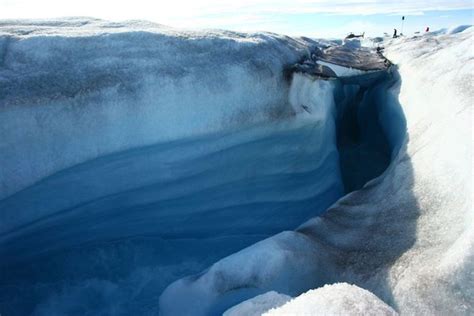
(321, 24)
(319, 18)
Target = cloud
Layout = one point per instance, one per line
(182, 9)
(414, 13)
(281, 16)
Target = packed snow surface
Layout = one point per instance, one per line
(146, 169)
(335, 299)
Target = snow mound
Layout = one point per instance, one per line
(334, 299)
(458, 29)
(258, 305)
(252, 271)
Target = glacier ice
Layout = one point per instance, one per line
(83, 89)
(107, 188)
(143, 166)
(406, 236)
(292, 262)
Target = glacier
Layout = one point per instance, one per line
(151, 170)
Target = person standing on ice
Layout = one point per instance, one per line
(427, 29)
(394, 33)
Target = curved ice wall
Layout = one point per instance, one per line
(137, 97)
(407, 236)
(75, 90)
(291, 262)
(135, 155)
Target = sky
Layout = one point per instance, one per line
(314, 18)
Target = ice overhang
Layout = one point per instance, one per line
(343, 62)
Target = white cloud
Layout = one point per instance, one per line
(241, 15)
(182, 9)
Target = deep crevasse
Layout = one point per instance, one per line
(291, 262)
(97, 244)
(153, 184)
(407, 236)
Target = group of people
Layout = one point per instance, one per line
(395, 35)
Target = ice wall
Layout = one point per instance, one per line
(136, 155)
(73, 90)
(181, 121)
(313, 100)
(407, 236)
(290, 262)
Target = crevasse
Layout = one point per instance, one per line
(171, 208)
(143, 166)
(367, 128)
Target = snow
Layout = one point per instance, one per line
(407, 235)
(289, 263)
(334, 299)
(458, 29)
(258, 305)
(78, 89)
(128, 149)
(252, 271)
(135, 155)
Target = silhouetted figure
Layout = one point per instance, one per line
(427, 29)
(395, 33)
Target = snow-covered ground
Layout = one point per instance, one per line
(136, 157)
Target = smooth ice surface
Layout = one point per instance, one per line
(406, 236)
(334, 299)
